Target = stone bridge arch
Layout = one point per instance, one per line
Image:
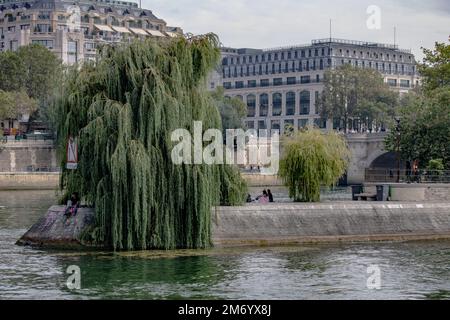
(365, 148)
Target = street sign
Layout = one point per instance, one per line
(72, 154)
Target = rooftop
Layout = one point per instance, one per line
(326, 41)
(90, 2)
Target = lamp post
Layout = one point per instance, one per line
(398, 133)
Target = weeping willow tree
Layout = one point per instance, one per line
(122, 110)
(312, 159)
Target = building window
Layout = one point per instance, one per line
(305, 102)
(302, 123)
(264, 82)
(392, 82)
(262, 125)
(305, 79)
(227, 85)
(275, 125)
(317, 78)
(277, 101)
(251, 105)
(290, 103)
(263, 105)
(43, 28)
(291, 80)
(250, 124)
(277, 81)
(46, 43)
(251, 83)
(337, 124)
(288, 123)
(404, 83)
(72, 52)
(239, 84)
(317, 97)
(13, 45)
(320, 123)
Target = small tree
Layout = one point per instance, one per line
(356, 93)
(16, 103)
(312, 159)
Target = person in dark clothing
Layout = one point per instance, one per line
(269, 193)
(72, 205)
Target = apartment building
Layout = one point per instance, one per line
(280, 86)
(73, 29)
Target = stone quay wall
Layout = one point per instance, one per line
(282, 224)
(277, 224)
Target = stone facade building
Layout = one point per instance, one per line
(73, 29)
(280, 86)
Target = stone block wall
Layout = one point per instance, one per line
(20, 156)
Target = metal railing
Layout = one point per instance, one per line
(394, 175)
(41, 169)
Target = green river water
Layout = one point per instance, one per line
(408, 270)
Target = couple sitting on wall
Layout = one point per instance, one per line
(265, 197)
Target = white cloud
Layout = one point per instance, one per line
(272, 23)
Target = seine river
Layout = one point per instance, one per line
(413, 270)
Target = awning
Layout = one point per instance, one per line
(155, 33)
(139, 31)
(103, 28)
(172, 34)
(121, 29)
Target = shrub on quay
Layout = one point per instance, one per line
(311, 159)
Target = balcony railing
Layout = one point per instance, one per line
(394, 175)
(271, 84)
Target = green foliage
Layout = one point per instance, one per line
(32, 69)
(123, 111)
(424, 132)
(435, 68)
(233, 189)
(435, 164)
(15, 103)
(12, 71)
(312, 159)
(232, 110)
(352, 92)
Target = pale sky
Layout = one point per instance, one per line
(274, 23)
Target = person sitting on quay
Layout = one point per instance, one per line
(270, 195)
(72, 205)
(264, 198)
